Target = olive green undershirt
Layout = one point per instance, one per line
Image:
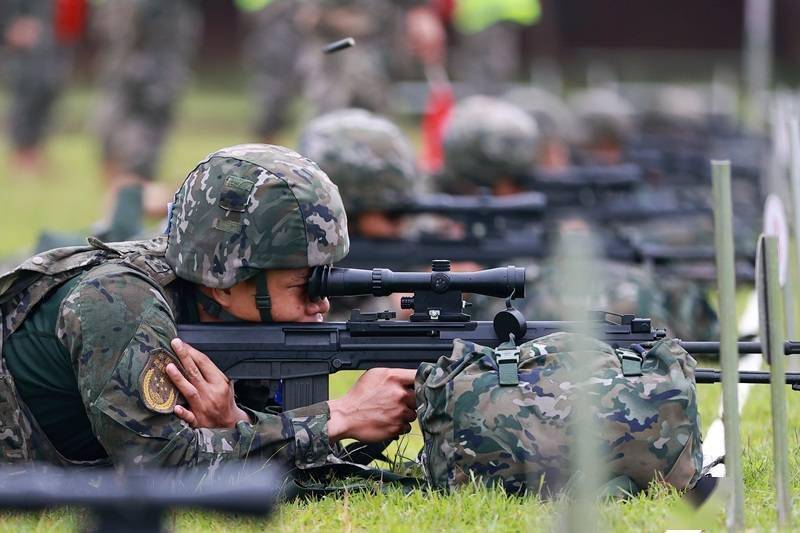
(46, 382)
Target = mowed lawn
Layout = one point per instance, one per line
(68, 197)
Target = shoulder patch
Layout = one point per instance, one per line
(158, 393)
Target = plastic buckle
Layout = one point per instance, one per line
(507, 361)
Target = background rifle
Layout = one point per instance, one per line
(139, 500)
(297, 358)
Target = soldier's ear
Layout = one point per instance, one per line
(222, 296)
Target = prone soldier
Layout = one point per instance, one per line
(89, 354)
(493, 144)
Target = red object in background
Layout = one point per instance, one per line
(70, 20)
(437, 109)
(443, 8)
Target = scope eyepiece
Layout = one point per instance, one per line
(503, 282)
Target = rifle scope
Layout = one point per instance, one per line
(498, 282)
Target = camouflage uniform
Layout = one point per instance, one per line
(625, 289)
(243, 209)
(36, 75)
(147, 48)
(357, 77)
(519, 435)
(489, 59)
(272, 52)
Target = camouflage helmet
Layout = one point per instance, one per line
(486, 139)
(553, 117)
(603, 114)
(252, 207)
(366, 155)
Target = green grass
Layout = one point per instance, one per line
(68, 197)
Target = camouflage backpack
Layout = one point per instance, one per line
(518, 433)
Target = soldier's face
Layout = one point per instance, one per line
(288, 290)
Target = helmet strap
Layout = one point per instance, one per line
(213, 308)
(263, 301)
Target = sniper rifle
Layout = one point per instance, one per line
(297, 358)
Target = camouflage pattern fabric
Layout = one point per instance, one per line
(252, 207)
(626, 289)
(147, 46)
(36, 75)
(487, 139)
(519, 436)
(271, 52)
(367, 156)
(604, 116)
(489, 59)
(118, 318)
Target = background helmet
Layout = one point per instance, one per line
(553, 117)
(604, 116)
(486, 139)
(366, 155)
(252, 207)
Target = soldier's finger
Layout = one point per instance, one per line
(409, 415)
(185, 415)
(405, 376)
(409, 399)
(184, 353)
(210, 371)
(406, 428)
(188, 390)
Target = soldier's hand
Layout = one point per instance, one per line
(207, 390)
(380, 406)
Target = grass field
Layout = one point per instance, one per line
(68, 198)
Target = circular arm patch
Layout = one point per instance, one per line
(158, 392)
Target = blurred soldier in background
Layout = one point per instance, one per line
(373, 164)
(360, 77)
(40, 35)
(489, 40)
(147, 46)
(606, 125)
(489, 143)
(272, 51)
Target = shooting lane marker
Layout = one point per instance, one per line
(582, 278)
(729, 352)
(337, 46)
(771, 322)
(794, 143)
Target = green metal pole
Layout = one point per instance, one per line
(580, 271)
(729, 356)
(794, 143)
(772, 333)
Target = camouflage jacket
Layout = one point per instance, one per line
(117, 324)
(520, 435)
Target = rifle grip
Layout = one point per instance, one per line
(304, 391)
